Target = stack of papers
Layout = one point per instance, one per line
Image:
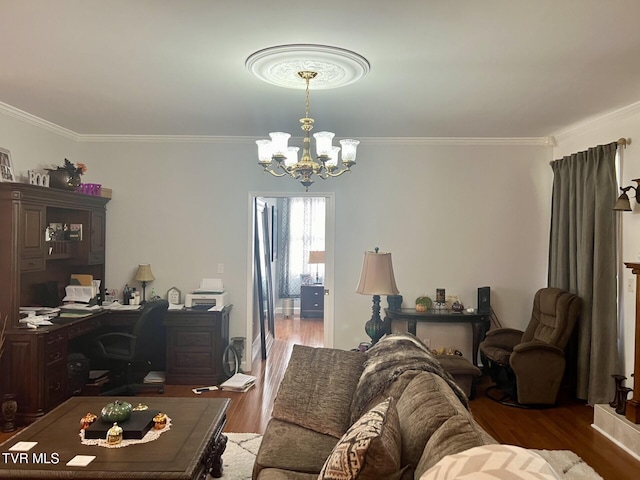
(240, 382)
(154, 377)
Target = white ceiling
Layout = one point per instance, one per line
(439, 68)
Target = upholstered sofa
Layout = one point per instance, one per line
(336, 417)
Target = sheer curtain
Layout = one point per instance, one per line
(301, 230)
(582, 260)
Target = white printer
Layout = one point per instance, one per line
(210, 294)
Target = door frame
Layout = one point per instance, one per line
(329, 247)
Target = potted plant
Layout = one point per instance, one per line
(423, 303)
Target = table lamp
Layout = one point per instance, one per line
(316, 257)
(376, 279)
(144, 275)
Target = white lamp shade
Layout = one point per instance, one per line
(279, 143)
(292, 156)
(349, 147)
(323, 142)
(264, 150)
(377, 275)
(333, 157)
(316, 256)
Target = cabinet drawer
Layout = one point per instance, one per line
(55, 348)
(96, 258)
(83, 327)
(32, 264)
(191, 339)
(55, 387)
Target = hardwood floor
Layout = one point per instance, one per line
(564, 427)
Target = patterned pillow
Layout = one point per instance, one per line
(370, 449)
(492, 462)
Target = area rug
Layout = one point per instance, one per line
(242, 448)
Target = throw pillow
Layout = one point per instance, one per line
(315, 393)
(492, 462)
(370, 449)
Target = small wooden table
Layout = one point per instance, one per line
(192, 447)
(479, 322)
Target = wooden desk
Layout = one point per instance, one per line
(36, 360)
(192, 447)
(479, 322)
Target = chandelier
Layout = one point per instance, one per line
(279, 159)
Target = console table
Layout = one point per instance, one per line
(191, 449)
(479, 322)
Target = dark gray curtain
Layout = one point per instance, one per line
(582, 260)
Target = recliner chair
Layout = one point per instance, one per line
(528, 366)
(132, 352)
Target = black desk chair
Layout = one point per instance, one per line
(132, 352)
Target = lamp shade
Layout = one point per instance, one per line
(144, 273)
(377, 275)
(316, 256)
(623, 204)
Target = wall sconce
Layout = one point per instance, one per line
(623, 204)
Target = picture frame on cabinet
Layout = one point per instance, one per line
(6, 166)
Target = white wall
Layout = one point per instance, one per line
(457, 217)
(454, 216)
(624, 123)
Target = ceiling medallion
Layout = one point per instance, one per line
(335, 67)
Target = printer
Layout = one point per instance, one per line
(210, 294)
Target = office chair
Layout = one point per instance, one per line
(528, 367)
(132, 352)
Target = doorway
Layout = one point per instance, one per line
(271, 199)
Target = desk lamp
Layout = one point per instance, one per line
(144, 275)
(376, 279)
(316, 257)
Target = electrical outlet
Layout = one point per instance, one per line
(221, 268)
(630, 285)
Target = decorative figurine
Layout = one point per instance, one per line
(160, 421)
(114, 434)
(116, 412)
(140, 407)
(87, 420)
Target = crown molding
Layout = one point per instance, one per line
(37, 121)
(375, 141)
(595, 123)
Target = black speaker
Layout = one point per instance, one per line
(484, 300)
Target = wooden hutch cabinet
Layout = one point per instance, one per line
(34, 271)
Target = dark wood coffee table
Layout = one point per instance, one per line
(192, 447)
